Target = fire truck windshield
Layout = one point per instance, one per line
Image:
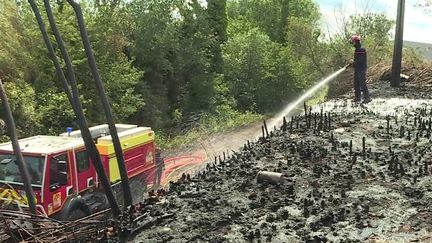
(9, 172)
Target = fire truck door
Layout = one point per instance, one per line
(85, 171)
(59, 181)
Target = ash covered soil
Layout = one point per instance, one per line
(352, 173)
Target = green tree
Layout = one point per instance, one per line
(218, 22)
(56, 111)
(375, 30)
(272, 16)
(173, 45)
(156, 49)
(17, 66)
(22, 99)
(110, 26)
(15, 59)
(271, 44)
(30, 70)
(254, 66)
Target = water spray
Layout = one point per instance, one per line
(276, 120)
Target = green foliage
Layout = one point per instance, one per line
(310, 50)
(371, 25)
(255, 65)
(22, 100)
(175, 52)
(375, 30)
(55, 112)
(121, 81)
(272, 17)
(15, 60)
(227, 118)
(218, 22)
(223, 96)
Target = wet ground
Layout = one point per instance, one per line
(352, 173)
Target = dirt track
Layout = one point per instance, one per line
(333, 192)
(206, 149)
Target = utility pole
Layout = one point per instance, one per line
(398, 44)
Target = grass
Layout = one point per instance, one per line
(319, 97)
(209, 125)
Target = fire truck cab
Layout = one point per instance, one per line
(64, 179)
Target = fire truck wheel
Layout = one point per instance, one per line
(76, 214)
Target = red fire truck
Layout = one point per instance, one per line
(64, 179)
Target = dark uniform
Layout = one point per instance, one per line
(360, 68)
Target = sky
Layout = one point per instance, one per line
(418, 22)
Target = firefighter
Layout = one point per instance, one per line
(160, 166)
(360, 66)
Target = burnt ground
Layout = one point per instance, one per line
(337, 188)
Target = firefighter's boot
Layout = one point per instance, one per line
(357, 98)
(367, 99)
